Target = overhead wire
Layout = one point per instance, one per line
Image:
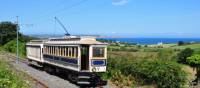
(42, 17)
(53, 13)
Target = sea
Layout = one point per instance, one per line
(147, 41)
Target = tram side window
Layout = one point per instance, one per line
(66, 51)
(98, 51)
(47, 50)
(63, 51)
(59, 50)
(53, 50)
(70, 52)
(57, 53)
(76, 52)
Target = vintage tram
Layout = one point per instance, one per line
(78, 57)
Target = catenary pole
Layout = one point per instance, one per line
(17, 25)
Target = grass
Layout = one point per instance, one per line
(9, 78)
(192, 46)
(11, 47)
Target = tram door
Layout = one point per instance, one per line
(85, 57)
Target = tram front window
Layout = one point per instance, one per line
(98, 51)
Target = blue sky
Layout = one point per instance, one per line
(129, 18)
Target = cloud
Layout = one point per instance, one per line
(119, 2)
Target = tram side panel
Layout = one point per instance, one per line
(34, 53)
(62, 56)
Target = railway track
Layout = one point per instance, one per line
(12, 58)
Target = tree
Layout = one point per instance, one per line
(182, 56)
(180, 43)
(7, 32)
(194, 61)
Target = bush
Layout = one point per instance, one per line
(166, 54)
(184, 54)
(180, 43)
(11, 47)
(194, 61)
(163, 74)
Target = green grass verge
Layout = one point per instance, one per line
(9, 78)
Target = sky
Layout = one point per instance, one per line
(127, 18)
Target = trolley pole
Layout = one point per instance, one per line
(17, 25)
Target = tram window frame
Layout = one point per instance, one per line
(98, 54)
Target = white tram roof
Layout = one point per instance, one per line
(69, 40)
(75, 40)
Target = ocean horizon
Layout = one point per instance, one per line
(147, 41)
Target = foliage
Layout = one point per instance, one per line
(8, 78)
(184, 54)
(121, 80)
(164, 74)
(11, 47)
(194, 60)
(166, 54)
(7, 32)
(180, 43)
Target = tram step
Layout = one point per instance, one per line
(84, 77)
(81, 82)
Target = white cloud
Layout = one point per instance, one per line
(119, 2)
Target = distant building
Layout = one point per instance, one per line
(160, 43)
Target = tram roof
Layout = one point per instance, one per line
(75, 40)
(69, 40)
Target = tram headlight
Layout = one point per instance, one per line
(94, 69)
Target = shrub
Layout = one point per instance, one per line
(163, 74)
(11, 47)
(184, 54)
(166, 54)
(194, 61)
(180, 43)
